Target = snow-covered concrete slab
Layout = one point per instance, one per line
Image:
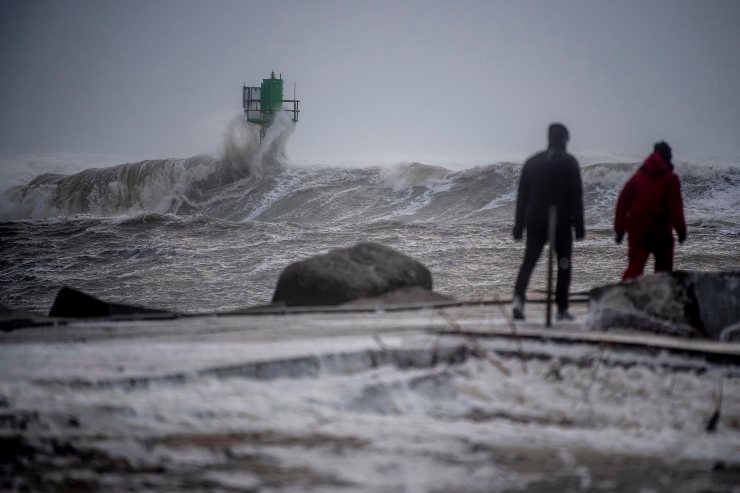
(411, 400)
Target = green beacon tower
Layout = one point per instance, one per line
(261, 104)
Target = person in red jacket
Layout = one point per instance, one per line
(649, 208)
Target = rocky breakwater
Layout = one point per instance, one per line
(365, 274)
(688, 304)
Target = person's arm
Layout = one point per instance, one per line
(522, 200)
(675, 209)
(620, 215)
(576, 197)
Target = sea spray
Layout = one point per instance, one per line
(273, 148)
(240, 146)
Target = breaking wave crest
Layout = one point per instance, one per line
(250, 181)
(175, 186)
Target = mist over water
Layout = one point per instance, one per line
(212, 233)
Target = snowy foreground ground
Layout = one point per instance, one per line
(370, 402)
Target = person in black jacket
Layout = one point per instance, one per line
(549, 178)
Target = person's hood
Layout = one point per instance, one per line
(655, 165)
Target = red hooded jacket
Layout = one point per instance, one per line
(650, 204)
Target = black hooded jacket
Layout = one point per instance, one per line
(551, 177)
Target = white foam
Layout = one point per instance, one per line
(407, 175)
(505, 199)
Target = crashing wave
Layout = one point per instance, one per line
(179, 186)
(250, 181)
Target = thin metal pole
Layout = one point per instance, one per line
(551, 220)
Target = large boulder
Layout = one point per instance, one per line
(689, 304)
(366, 270)
(718, 301)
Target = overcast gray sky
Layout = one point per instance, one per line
(390, 80)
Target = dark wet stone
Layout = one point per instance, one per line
(686, 304)
(718, 300)
(72, 303)
(366, 270)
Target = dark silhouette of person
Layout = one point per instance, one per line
(549, 178)
(649, 208)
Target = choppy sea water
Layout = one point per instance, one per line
(213, 233)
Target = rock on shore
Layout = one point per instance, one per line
(689, 304)
(72, 303)
(366, 270)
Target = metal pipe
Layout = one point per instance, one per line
(551, 221)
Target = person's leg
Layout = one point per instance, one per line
(563, 249)
(533, 249)
(637, 253)
(663, 252)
